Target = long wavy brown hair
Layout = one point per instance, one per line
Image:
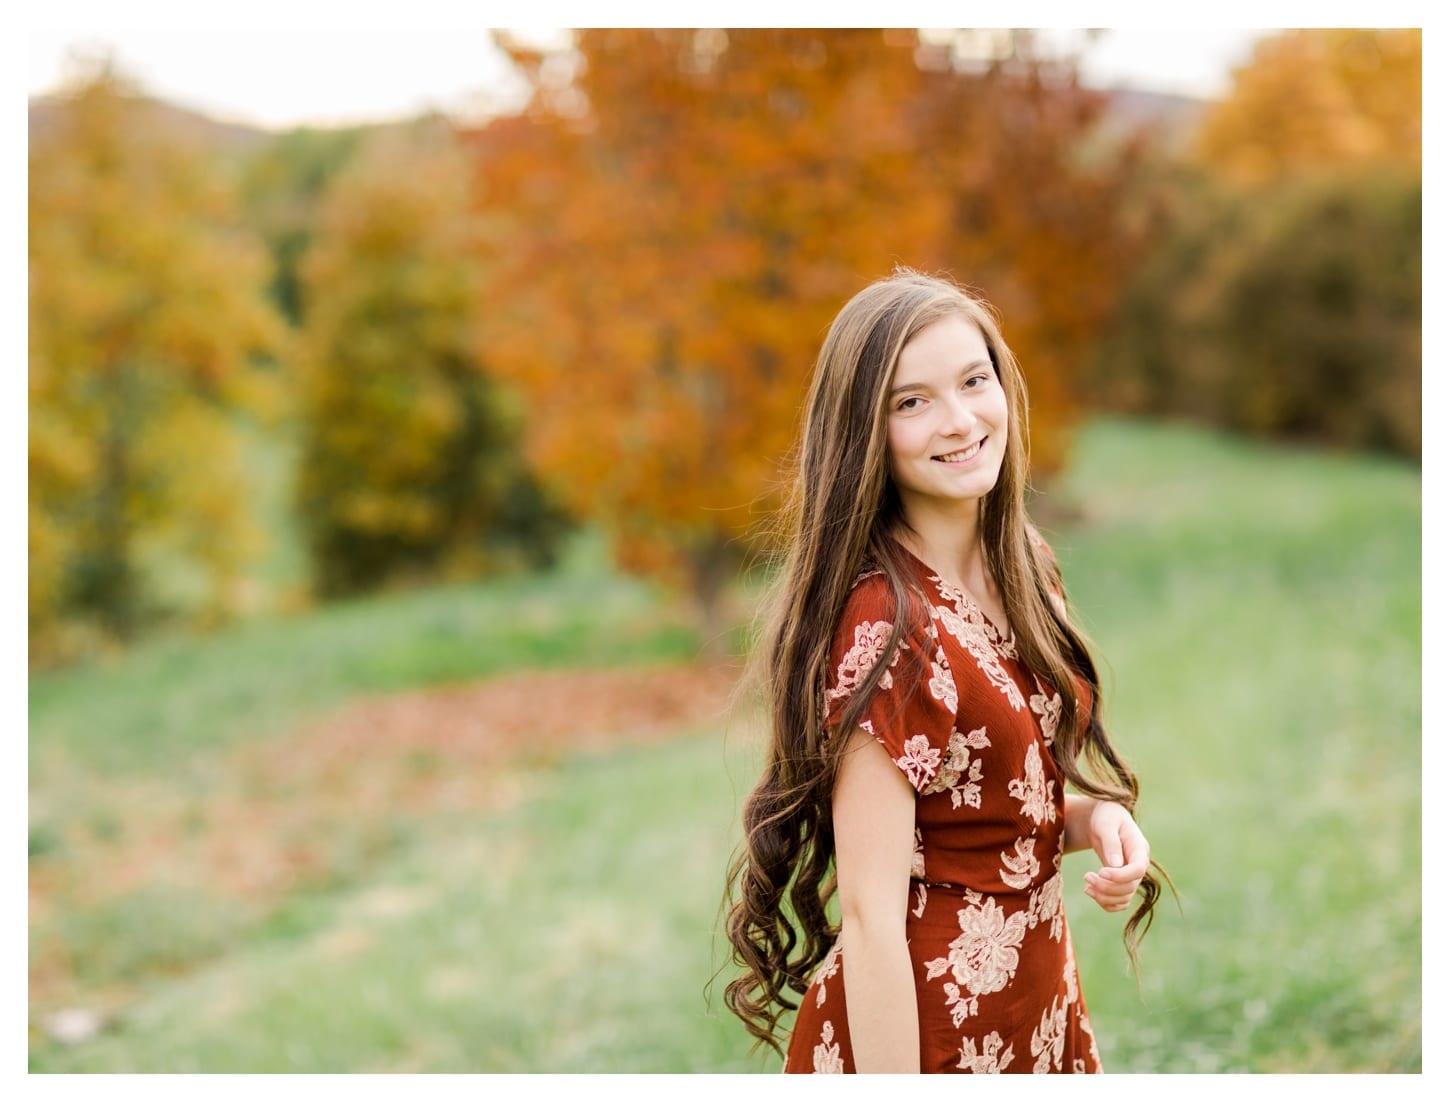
(840, 514)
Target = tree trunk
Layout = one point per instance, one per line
(111, 587)
(713, 564)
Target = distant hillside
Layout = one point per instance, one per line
(192, 126)
(1171, 119)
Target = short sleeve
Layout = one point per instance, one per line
(912, 709)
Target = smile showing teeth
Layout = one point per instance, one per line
(957, 457)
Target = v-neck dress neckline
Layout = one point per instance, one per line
(1005, 640)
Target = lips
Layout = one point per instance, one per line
(960, 456)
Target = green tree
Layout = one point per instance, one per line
(1283, 294)
(409, 460)
(282, 186)
(1295, 315)
(1321, 322)
(146, 314)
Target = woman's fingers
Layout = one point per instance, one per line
(1123, 849)
(1135, 852)
(1124, 874)
(1111, 850)
(1109, 889)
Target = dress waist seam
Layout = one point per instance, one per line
(1003, 892)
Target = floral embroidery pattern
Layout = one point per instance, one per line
(1048, 1039)
(870, 642)
(983, 957)
(961, 1008)
(918, 856)
(827, 1056)
(969, 626)
(1020, 867)
(919, 761)
(993, 1059)
(1034, 789)
(1048, 711)
(942, 685)
(959, 761)
(1069, 976)
(829, 966)
(920, 908)
(1045, 905)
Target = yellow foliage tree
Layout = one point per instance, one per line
(146, 308)
(1318, 99)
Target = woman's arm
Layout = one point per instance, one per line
(874, 818)
(1111, 832)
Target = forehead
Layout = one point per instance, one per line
(944, 347)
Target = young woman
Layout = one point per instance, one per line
(929, 702)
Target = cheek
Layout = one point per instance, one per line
(894, 444)
(902, 443)
(1001, 413)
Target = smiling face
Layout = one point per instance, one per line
(947, 420)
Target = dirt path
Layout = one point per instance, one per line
(524, 715)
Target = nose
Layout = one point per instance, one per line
(958, 416)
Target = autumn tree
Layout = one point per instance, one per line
(1314, 99)
(282, 188)
(682, 212)
(1283, 295)
(1296, 315)
(1041, 211)
(146, 312)
(409, 458)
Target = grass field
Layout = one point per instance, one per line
(224, 886)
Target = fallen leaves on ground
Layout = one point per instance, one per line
(326, 800)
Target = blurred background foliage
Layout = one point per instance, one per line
(326, 419)
(466, 341)
(1283, 295)
(682, 213)
(390, 382)
(148, 322)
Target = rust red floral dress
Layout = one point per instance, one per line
(996, 981)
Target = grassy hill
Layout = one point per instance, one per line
(321, 843)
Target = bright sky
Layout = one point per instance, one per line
(279, 63)
(336, 65)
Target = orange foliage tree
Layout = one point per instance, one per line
(146, 309)
(678, 214)
(1315, 99)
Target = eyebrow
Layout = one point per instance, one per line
(914, 386)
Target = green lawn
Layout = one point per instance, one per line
(180, 697)
(1259, 613)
